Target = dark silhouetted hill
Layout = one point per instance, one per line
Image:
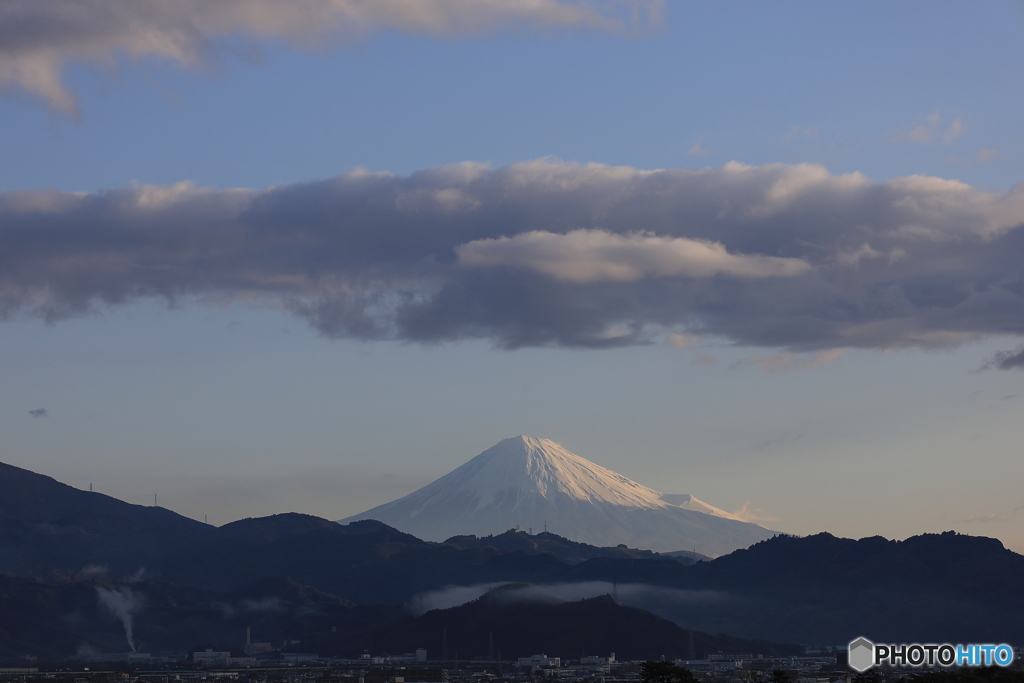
(824, 589)
(50, 528)
(818, 589)
(524, 621)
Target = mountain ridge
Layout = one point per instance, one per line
(25, 492)
(814, 589)
(567, 551)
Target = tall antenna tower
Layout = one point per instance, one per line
(615, 588)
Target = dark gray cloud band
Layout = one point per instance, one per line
(1008, 360)
(547, 253)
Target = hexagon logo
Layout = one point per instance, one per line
(861, 654)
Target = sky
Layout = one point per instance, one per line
(259, 257)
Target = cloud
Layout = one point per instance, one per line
(38, 38)
(984, 519)
(1008, 360)
(955, 130)
(38, 412)
(931, 131)
(449, 596)
(924, 134)
(698, 149)
(749, 514)
(681, 341)
(584, 256)
(853, 257)
(994, 516)
(987, 154)
(547, 253)
(638, 594)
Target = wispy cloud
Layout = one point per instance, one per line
(698, 149)
(955, 130)
(38, 38)
(546, 253)
(932, 130)
(984, 519)
(926, 133)
(995, 516)
(987, 154)
(630, 593)
(39, 412)
(1007, 360)
(748, 513)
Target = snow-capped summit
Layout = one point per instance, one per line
(530, 482)
(526, 464)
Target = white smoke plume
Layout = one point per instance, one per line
(124, 604)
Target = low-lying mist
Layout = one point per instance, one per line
(670, 603)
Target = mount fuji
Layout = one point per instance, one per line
(529, 482)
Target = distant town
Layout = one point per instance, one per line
(261, 663)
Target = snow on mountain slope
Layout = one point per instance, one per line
(529, 482)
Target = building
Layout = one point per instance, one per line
(211, 658)
(539, 661)
(299, 657)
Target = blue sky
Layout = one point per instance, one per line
(345, 337)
